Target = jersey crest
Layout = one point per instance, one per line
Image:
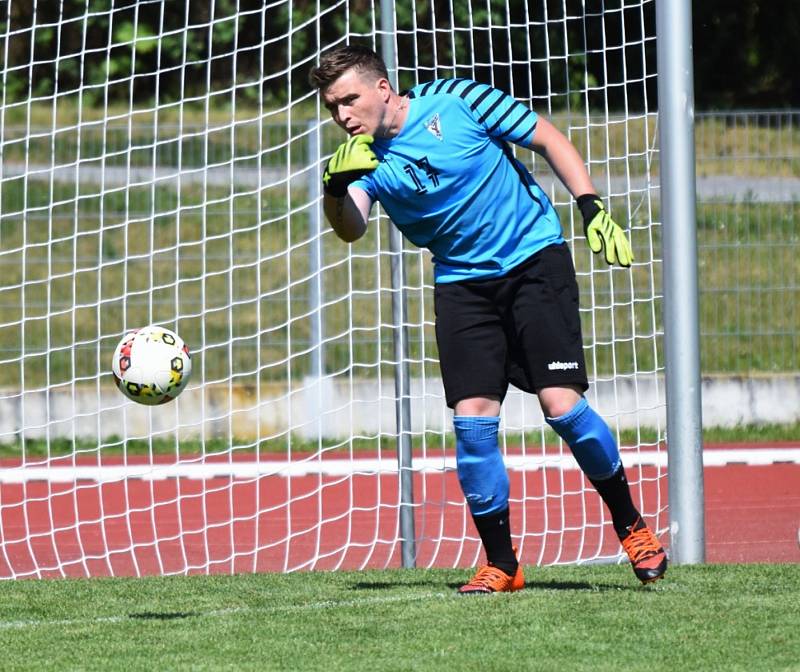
(434, 125)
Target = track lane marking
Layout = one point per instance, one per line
(367, 467)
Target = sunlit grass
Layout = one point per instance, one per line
(385, 444)
(714, 617)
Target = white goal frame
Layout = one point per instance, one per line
(161, 165)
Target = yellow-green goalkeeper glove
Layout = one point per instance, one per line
(350, 161)
(602, 233)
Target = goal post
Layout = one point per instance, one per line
(681, 295)
(402, 377)
(159, 163)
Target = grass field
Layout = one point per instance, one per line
(228, 263)
(245, 306)
(713, 617)
(35, 448)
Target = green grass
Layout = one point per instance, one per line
(753, 433)
(239, 278)
(720, 143)
(715, 617)
(35, 448)
(229, 264)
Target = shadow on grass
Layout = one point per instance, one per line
(559, 585)
(529, 585)
(576, 585)
(390, 585)
(162, 615)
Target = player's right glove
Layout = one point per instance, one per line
(602, 233)
(350, 161)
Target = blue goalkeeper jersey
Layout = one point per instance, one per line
(450, 182)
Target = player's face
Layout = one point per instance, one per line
(358, 103)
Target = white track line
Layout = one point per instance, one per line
(344, 467)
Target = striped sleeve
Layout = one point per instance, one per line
(502, 116)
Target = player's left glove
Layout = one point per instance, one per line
(602, 233)
(350, 161)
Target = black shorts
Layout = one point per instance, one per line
(522, 328)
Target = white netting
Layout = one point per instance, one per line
(160, 164)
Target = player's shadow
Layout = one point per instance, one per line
(162, 615)
(529, 585)
(573, 585)
(564, 585)
(390, 585)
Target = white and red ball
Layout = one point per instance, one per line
(151, 365)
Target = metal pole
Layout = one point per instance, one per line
(681, 314)
(402, 375)
(315, 251)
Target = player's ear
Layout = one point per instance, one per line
(385, 88)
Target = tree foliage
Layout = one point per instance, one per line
(248, 51)
(746, 56)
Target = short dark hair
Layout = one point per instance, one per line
(334, 64)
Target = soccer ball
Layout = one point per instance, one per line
(151, 365)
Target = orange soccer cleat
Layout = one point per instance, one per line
(646, 554)
(490, 579)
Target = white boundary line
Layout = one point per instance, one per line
(372, 466)
(216, 613)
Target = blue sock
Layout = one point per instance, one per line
(590, 440)
(479, 464)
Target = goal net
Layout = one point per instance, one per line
(160, 164)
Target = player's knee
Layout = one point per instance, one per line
(488, 406)
(479, 464)
(590, 440)
(558, 401)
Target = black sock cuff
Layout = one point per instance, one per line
(495, 533)
(490, 518)
(615, 492)
(619, 474)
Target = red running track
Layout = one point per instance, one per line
(753, 513)
(220, 525)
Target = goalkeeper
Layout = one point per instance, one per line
(438, 160)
